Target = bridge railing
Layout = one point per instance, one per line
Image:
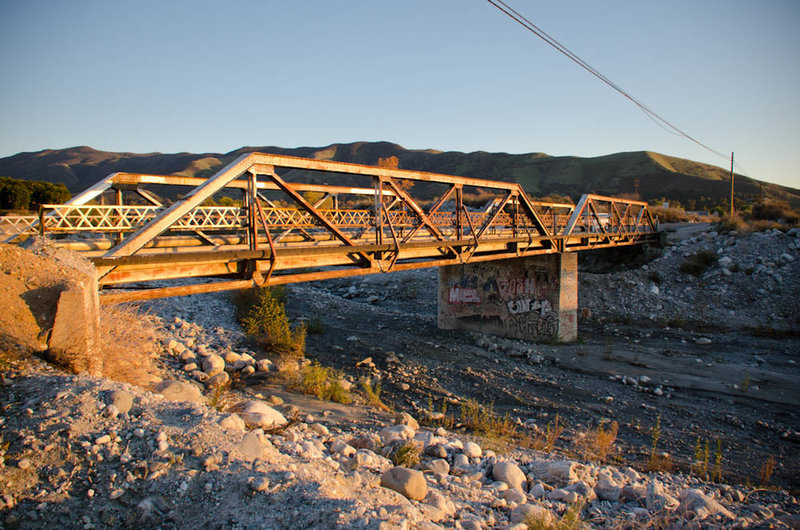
(12, 226)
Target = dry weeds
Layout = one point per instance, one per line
(128, 345)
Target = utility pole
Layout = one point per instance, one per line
(731, 183)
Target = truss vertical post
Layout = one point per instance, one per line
(118, 202)
(252, 223)
(378, 210)
(459, 207)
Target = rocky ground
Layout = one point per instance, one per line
(709, 357)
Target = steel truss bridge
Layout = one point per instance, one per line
(281, 231)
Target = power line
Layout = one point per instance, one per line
(660, 121)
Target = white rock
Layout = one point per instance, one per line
(213, 364)
(264, 365)
(472, 450)
(509, 473)
(396, 433)
(696, 504)
(258, 414)
(533, 512)
(570, 497)
(409, 482)
(179, 391)
(232, 422)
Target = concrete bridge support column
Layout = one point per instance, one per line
(534, 298)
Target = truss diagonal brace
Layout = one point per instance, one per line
(432, 210)
(314, 213)
(487, 223)
(165, 219)
(406, 198)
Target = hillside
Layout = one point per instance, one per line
(691, 183)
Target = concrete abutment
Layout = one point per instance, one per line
(533, 298)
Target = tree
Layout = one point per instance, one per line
(48, 193)
(14, 195)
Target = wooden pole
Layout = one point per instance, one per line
(731, 183)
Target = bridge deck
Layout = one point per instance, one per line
(285, 232)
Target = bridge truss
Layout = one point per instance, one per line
(286, 224)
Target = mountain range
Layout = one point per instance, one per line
(694, 184)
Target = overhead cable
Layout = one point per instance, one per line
(659, 120)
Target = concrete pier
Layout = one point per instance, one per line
(534, 298)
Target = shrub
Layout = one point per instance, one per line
(406, 454)
(697, 263)
(323, 383)
(262, 315)
(545, 441)
(597, 444)
(776, 210)
(315, 326)
(655, 277)
(373, 394)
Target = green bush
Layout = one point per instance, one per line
(315, 326)
(697, 263)
(262, 315)
(324, 383)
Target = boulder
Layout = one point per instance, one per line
(408, 482)
(218, 380)
(257, 414)
(438, 465)
(122, 399)
(404, 418)
(213, 364)
(472, 450)
(510, 473)
(179, 391)
(696, 504)
(538, 516)
(232, 422)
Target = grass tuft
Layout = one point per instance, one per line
(545, 441)
(373, 394)
(597, 444)
(324, 383)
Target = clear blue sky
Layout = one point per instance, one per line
(213, 76)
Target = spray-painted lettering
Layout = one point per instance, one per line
(526, 305)
(464, 295)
